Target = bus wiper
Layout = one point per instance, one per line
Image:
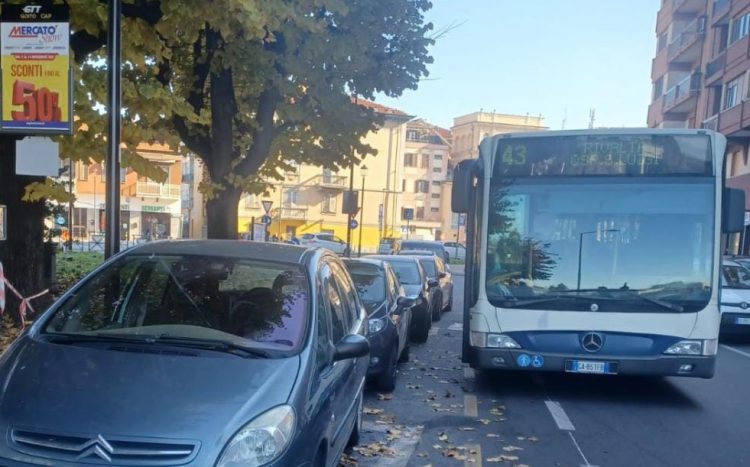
(211, 344)
(634, 294)
(551, 298)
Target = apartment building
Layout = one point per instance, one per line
(701, 76)
(148, 209)
(309, 199)
(467, 132)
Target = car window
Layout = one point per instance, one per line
(369, 282)
(323, 318)
(308, 236)
(392, 287)
(429, 267)
(339, 326)
(348, 294)
(325, 237)
(264, 304)
(336, 239)
(407, 272)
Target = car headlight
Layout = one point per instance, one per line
(260, 441)
(376, 325)
(686, 348)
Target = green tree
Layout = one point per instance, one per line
(248, 85)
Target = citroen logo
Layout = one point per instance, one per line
(744, 305)
(98, 447)
(592, 342)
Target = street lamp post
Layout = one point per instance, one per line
(580, 250)
(363, 171)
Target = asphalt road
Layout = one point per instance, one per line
(442, 414)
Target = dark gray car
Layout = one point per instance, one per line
(197, 353)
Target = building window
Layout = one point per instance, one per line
(421, 186)
(410, 160)
(732, 93)
(251, 202)
(438, 157)
(434, 209)
(658, 88)
(291, 198)
(412, 135)
(437, 170)
(661, 42)
(83, 173)
(420, 212)
(436, 195)
(436, 183)
(403, 185)
(329, 203)
(740, 28)
(425, 161)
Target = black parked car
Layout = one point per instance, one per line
(389, 317)
(194, 353)
(436, 248)
(418, 286)
(437, 270)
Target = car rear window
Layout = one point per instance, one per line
(406, 271)
(369, 281)
(438, 249)
(429, 267)
(308, 236)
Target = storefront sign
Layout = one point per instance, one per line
(146, 208)
(35, 62)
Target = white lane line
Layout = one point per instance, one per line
(473, 456)
(737, 351)
(559, 415)
(583, 456)
(471, 409)
(433, 331)
(469, 373)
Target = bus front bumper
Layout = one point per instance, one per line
(662, 365)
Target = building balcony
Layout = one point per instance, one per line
(720, 10)
(331, 181)
(714, 68)
(156, 190)
(682, 97)
(686, 46)
(289, 213)
(711, 123)
(688, 6)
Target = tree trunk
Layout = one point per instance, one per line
(221, 214)
(22, 254)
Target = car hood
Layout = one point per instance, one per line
(376, 309)
(90, 390)
(412, 290)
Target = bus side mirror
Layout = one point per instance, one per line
(463, 186)
(733, 211)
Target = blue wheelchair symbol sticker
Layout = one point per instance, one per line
(537, 361)
(523, 360)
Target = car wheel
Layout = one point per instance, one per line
(421, 329)
(404, 358)
(437, 307)
(357, 430)
(387, 379)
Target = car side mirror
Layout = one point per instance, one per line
(405, 302)
(351, 346)
(432, 283)
(442, 275)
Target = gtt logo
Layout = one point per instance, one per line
(29, 9)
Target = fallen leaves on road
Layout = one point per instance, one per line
(466, 428)
(375, 449)
(512, 448)
(347, 460)
(371, 411)
(501, 458)
(385, 397)
(443, 437)
(485, 421)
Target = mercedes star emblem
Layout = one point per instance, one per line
(592, 342)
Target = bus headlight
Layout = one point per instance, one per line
(501, 341)
(686, 348)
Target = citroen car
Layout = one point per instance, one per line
(194, 353)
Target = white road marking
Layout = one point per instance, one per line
(559, 415)
(737, 351)
(473, 456)
(583, 456)
(470, 406)
(433, 331)
(469, 373)
(456, 327)
(403, 446)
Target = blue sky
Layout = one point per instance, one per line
(539, 57)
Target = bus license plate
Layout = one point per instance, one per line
(742, 321)
(584, 366)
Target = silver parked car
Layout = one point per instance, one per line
(195, 353)
(325, 240)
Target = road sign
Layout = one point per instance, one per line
(407, 214)
(60, 220)
(462, 219)
(267, 205)
(266, 219)
(353, 224)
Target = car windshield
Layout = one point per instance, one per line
(429, 266)
(407, 272)
(735, 277)
(369, 282)
(253, 303)
(648, 237)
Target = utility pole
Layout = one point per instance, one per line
(71, 206)
(350, 215)
(592, 118)
(114, 104)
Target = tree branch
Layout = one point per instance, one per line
(265, 133)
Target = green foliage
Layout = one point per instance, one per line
(73, 266)
(247, 84)
(47, 190)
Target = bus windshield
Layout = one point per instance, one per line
(630, 243)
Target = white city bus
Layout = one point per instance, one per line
(595, 251)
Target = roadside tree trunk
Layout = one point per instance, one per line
(221, 214)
